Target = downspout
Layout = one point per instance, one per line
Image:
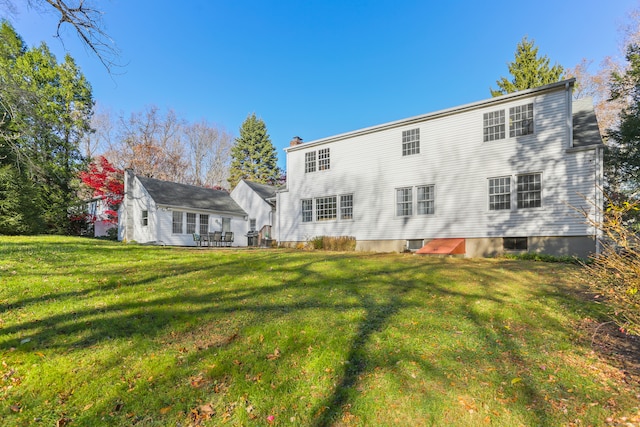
(568, 88)
(599, 196)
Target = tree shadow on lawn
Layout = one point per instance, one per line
(381, 291)
(378, 316)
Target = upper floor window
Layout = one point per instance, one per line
(307, 210)
(324, 162)
(521, 120)
(410, 142)
(404, 201)
(425, 199)
(177, 222)
(252, 224)
(346, 206)
(310, 162)
(326, 208)
(529, 191)
(499, 193)
(494, 126)
(145, 218)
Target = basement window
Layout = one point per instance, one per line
(515, 243)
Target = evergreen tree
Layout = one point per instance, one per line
(528, 70)
(253, 157)
(45, 110)
(622, 156)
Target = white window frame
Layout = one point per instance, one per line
(529, 193)
(309, 162)
(204, 224)
(191, 222)
(404, 201)
(144, 218)
(177, 222)
(499, 197)
(411, 142)
(306, 210)
(521, 120)
(346, 207)
(324, 159)
(494, 126)
(326, 208)
(426, 202)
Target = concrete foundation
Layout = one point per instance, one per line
(579, 246)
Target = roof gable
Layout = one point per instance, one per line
(190, 197)
(266, 192)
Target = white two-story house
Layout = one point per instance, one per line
(512, 173)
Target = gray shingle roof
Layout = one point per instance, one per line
(190, 197)
(585, 124)
(263, 190)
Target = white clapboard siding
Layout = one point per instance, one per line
(453, 157)
(255, 206)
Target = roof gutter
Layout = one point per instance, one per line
(198, 210)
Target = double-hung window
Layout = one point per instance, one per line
(145, 218)
(494, 126)
(521, 120)
(499, 193)
(324, 161)
(177, 222)
(310, 162)
(529, 191)
(404, 201)
(326, 208)
(425, 199)
(191, 223)
(307, 210)
(204, 224)
(346, 206)
(410, 142)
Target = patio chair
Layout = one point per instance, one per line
(204, 240)
(228, 238)
(215, 238)
(197, 239)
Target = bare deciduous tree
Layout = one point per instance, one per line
(597, 86)
(152, 145)
(101, 139)
(209, 154)
(83, 18)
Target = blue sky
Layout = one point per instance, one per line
(319, 68)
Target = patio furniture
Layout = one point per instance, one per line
(215, 238)
(204, 239)
(253, 237)
(228, 238)
(197, 239)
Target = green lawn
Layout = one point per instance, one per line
(99, 333)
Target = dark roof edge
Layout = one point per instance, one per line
(191, 209)
(441, 113)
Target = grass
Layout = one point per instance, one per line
(100, 333)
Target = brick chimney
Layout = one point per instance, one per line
(295, 141)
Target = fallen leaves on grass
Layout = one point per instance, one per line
(275, 355)
(201, 413)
